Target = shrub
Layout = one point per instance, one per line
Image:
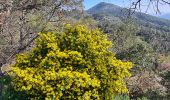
(73, 64)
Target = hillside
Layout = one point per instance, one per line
(166, 16)
(153, 30)
(143, 40)
(141, 18)
(55, 50)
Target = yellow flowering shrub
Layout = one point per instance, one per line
(73, 64)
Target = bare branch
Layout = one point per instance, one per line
(136, 4)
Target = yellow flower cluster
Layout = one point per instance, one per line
(74, 64)
(56, 84)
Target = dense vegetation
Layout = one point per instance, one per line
(75, 64)
(101, 54)
(153, 30)
(142, 39)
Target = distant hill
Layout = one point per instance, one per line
(166, 16)
(153, 30)
(141, 18)
(107, 8)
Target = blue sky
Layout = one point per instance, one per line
(126, 3)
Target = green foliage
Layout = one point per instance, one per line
(122, 97)
(123, 36)
(73, 64)
(159, 39)
(126, 97)
(128, 46)
(7, 92)
(2, 41)
(156, 94)
(143, 98)
(141, 54)
(166, 81)
(148, 31)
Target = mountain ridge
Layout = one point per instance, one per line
(117, 11)
(151, 29)
(165, 16)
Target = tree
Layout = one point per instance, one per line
(72, 64)
(141, 54)
(21, 20)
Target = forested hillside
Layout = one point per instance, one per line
(140, 38)
(153, 30)
(55, 50)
